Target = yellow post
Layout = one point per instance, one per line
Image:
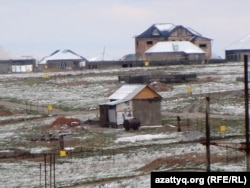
(189, 90)
(146, 63)
(50, 107)
(63, 153)
(222, 128)
(46, 75)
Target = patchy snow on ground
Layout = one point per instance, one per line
(70, 171)
(86, 93)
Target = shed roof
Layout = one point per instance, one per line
(164, 30)
(175, 46)
(242, 44)
(128, 92)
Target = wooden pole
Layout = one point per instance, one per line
(40, 180)
(50, 169)
(247, 112)
(54, 167)
(45, 173)
(207, 134)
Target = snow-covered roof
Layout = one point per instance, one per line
(101, 57)
(175, 46)
(128, 57)
(243, 44)
(127, 92)
(164, 30)
(62, 55)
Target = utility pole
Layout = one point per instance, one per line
(208, 133)
(103, 54)
(246, 80)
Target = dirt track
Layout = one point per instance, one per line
(23, 108)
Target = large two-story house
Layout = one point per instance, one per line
(170, 33)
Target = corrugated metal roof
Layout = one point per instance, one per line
(126, 92)
(243, 44)
(175, 46)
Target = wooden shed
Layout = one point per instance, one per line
(132, 100)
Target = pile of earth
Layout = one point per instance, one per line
(159, 86)
(63, 121)
(4, 112)
(60, 126)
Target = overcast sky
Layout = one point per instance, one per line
(93, 27)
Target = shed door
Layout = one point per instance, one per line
(112, 114)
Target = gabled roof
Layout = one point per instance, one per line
(175, 46)
(164, 30)
(128, 57)
(62, 55)
(243, 44)
(128, 92)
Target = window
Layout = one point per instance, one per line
(155, 32)
(149, 42)
(175, 47)
(179, 32)
(203, 46)
(63, 65)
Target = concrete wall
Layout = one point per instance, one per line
(173, 78)
(64, 64)
(175, 56)
(125, 64)
(14, 65)
(236, 55)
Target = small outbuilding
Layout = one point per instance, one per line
(236, 52)
(132, 100)
(22, 65)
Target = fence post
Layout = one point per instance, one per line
(45, 173)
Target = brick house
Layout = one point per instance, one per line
(169, 32)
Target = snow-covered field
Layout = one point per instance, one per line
(81, 93)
